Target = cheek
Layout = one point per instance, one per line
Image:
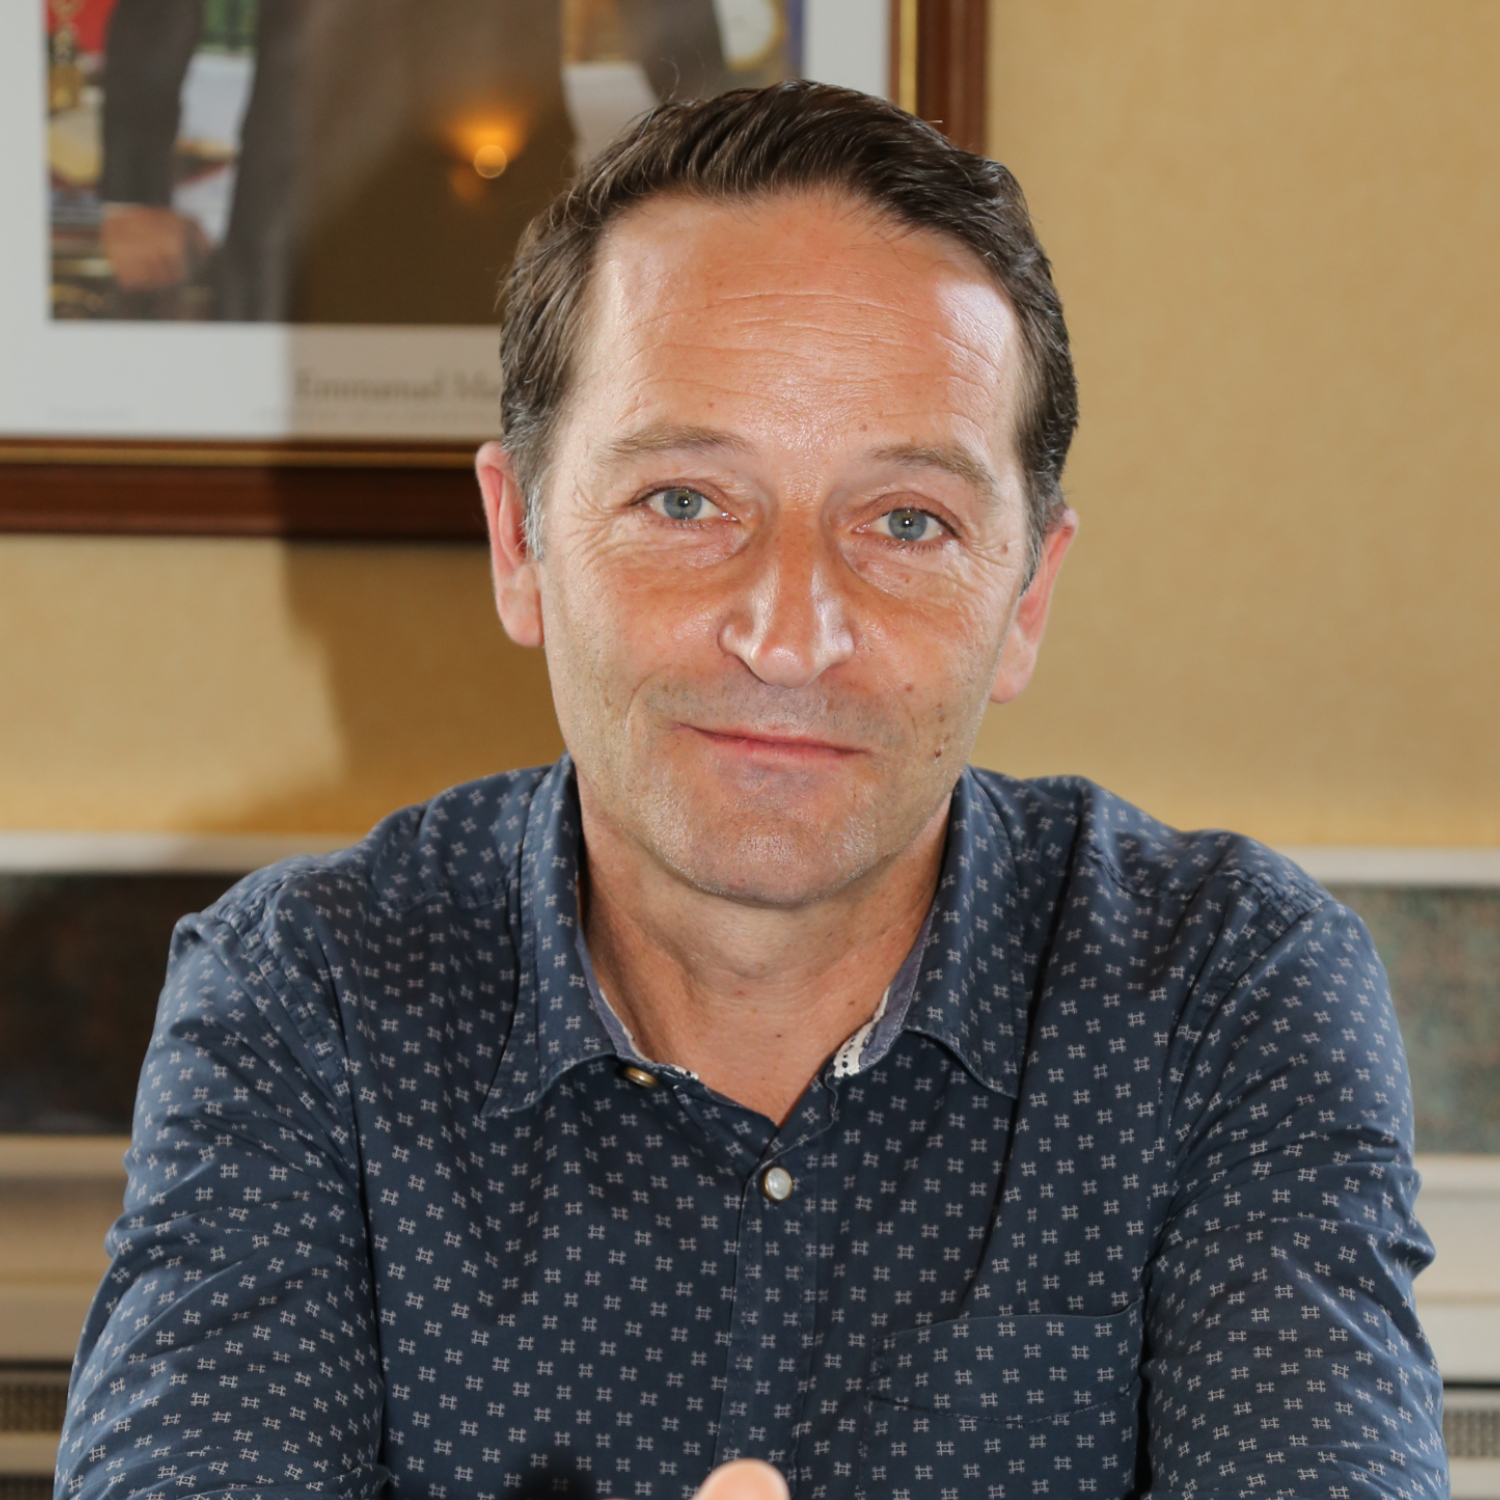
(615, 624)
(942, 649)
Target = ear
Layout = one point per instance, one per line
(518, 597)
(1024, 638)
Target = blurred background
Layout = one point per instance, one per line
(1275, 225)
(1276, 228)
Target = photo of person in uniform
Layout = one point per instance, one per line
(348, 162)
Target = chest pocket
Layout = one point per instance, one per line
(1012, 1408)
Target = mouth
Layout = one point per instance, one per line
(765, 744)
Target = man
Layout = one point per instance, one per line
(758, 1082)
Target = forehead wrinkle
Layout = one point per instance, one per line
(664, 317)
(657, 435)
(751, 334)
(814, 342)
(730, 293)
(638, 290)
(790, 308)
(971, 353)
(644, 298)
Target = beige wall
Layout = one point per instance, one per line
(1275, 226)
(228, 686)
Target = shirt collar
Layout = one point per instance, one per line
(555, 1026)
(957, 987)
(970, 994)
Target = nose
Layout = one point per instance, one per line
(790, 624)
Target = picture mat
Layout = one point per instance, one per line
(221, 380)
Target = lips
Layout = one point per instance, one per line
(771, 743)
(771, 724)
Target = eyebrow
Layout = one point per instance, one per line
(674, 440)
(948, 457)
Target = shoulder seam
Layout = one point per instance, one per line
(261, 968)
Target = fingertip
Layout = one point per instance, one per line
(744, 1479)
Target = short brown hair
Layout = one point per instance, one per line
(749, 143)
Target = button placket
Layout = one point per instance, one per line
(775, 1289)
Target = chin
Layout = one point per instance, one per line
(778, 866)
(787, 842)
(782, 887)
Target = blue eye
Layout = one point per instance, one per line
(907, 525)
(682, 504)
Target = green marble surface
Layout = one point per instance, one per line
(1441, 949)
(81, 964)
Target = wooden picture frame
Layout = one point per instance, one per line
(329, 492)
(382, 491)
(939, 65)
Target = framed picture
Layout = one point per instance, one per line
(252, 247)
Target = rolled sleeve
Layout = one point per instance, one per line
(1283, 1347)
(233, 1343)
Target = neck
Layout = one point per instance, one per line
(752, 999)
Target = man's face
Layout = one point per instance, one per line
(784, 539)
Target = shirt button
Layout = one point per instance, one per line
(640, 1077)
(776, 1183)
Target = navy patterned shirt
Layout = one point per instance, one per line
(1114, 1196)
